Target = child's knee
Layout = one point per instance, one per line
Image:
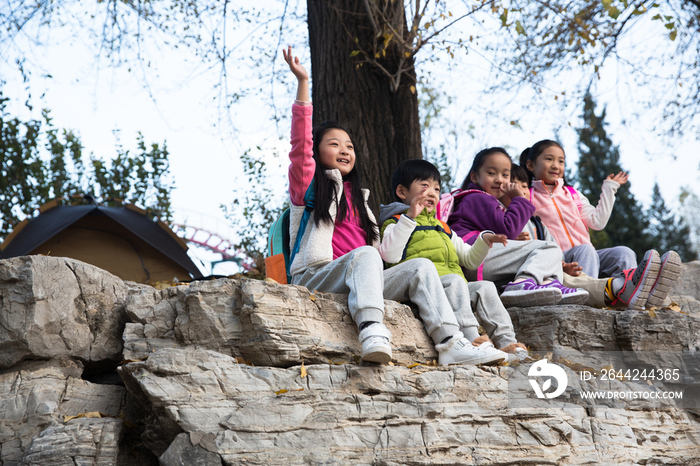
(453, 280)
(421, 268)
(367, 254)
(588, 250)
(626, 255)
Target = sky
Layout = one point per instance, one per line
(178, 106)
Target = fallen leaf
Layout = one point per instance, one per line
(279, 392)
(652, 313)
(127, 361)
(303, 370)
(411, 366)
(91, 414)
(312, 297)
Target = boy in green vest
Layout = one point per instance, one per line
(410, 230)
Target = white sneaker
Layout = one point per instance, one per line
(375, 343)
(458, 350)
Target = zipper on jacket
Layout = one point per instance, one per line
(561, 217)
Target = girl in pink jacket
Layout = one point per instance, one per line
(568, 215)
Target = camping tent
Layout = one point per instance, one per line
(121, 240)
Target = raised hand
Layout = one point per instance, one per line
(491, 238)
(620, 178)
(418, 204)
(294, 64)
(301, 74)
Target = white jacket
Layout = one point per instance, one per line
(316, 248)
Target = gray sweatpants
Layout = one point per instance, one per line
(482, 298)
(360, 274)
(540, 260)
(601, 263)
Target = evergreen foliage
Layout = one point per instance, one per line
(666, 230)
(39, 162)
(599, 157)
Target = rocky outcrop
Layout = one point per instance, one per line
(54, 307)
(96, 371)
(348, 414)
(264, 323)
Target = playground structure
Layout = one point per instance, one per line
(214, 243)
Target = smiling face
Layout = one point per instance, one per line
(549, 165)
(494, 172)
(430, 188)
(336, 151)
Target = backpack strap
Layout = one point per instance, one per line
(575, 196)
(539, 227)
(310, 203)
(443, 228)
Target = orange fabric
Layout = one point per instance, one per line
(274, 268)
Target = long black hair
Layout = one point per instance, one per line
(531, 153)
(479, 160)
(325, 189)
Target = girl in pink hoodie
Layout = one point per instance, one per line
(568, 215)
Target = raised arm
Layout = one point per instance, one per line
(303, 166)
(597, 217)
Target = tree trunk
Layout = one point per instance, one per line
(383, 123)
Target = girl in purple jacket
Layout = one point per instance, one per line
(530, 270)
(338, 252)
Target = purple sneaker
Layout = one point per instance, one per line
(569, 295)
(528, 293)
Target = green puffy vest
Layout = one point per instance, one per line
(431, 239)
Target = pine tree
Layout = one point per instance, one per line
(666, 231)
(599, 158)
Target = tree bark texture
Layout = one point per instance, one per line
(383, 123)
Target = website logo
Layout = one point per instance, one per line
(542, 368)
